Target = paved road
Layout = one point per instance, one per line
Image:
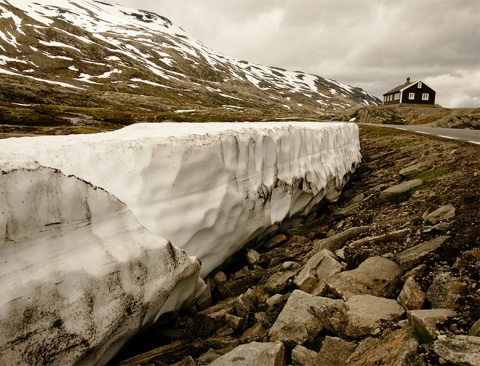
(472, 136)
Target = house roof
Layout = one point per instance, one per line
(400, 87)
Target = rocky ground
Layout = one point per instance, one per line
(388, 275)
(409, 114)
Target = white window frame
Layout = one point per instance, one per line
(411, 96)
(397, 96)
(419, 85)
(425, 96)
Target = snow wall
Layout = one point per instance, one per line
(84, 218)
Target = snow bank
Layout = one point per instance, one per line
(212, 187)
(78, 275)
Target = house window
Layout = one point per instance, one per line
(425, 96)
(419, 85)
(411, 96)
(397, 96)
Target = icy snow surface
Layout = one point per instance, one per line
(209, 187)
(79, 274)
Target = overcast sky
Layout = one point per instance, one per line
(373, 44)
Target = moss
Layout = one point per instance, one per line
(428, 176)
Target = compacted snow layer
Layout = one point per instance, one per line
(78, 275)
(85, 222)
(209, 187)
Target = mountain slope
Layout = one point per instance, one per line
(83, 53)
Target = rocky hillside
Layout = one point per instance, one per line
(87, 62)
(415, 115)
(388, 275)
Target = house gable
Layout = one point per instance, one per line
(416, 92)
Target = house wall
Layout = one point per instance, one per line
(418, 94)
(393, 98)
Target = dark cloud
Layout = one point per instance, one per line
(374, 44)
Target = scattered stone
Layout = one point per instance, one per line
(459, 350)
(322, 265)
(376, 276)
(401, 188)
(253, 257)
(365, 313)
(475, 329)
(412, 169)
(397, 348)
(208, 357)
(410, 257)
(411, 297)
(254, 354)
(445, 290)
(187, 361)
(375, 239)
(425, 322)
(275, 241)
(334, 352)
(347, 211)
(234, 322)
(358, 198)
(337, 241)
(441, 214)
(416, 272)
(302, 356)
(297, 310)
(246, 303)
(255, 333)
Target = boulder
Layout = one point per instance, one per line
(445, 290)
(397, 348)
(401, 188)
(411, 297)
(412, 256)
(412, 169)
(459, 350)
(337, 241)
(296, 323)
(334, 352)
(441, 214)
(302, 356)
(376, 276)
(475, 329)
(365, 313)
(425, 322)
(254, 354)
(322, 265)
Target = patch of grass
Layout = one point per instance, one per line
(428, 176)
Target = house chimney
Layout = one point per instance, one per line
(408, 81)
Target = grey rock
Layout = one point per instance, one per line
(257, 332)
(365, 313)
(475, 329)
(398, 348)
(297, 310)
(441, 214)
(412, 169)
(275, 241)
(322, 265)
(411, 297)
(401, 188)
(254, 354)
(279, 280)
(332, 315)
(302, 356)
(459, 350)
(416, 272)
(425, 322)
(445, 290)
(337, 241)
(412, 256)
(334, 352)
(376, 276)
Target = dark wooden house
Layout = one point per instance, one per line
(415, 92)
